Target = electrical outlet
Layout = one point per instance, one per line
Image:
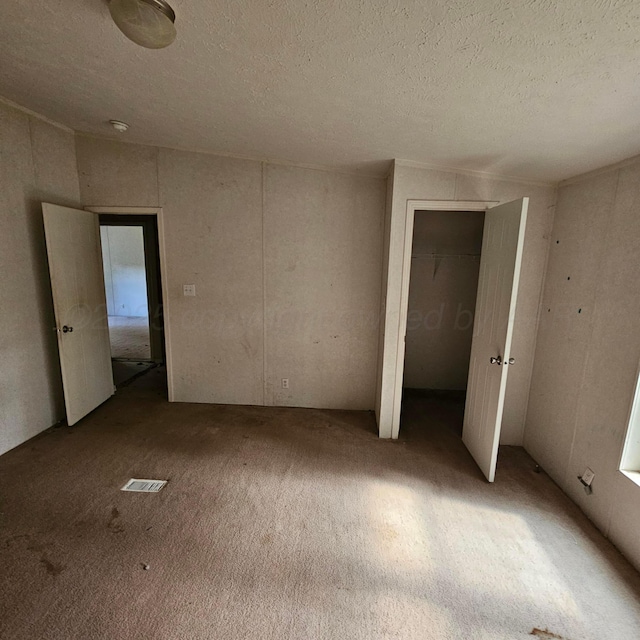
(285, 383)
(189, 289)
(588, 476)
(586, 479)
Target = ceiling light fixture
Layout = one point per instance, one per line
(149, 23)
(118, 125)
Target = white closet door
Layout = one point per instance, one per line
(491, 356)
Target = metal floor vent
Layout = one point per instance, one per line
(145, 486)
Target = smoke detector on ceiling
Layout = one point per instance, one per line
(149, 23)
(118, 125)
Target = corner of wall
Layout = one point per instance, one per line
(380, 415)
(541, 297)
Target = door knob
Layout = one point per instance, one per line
(66, 329)
(497, 360)
(511, 361)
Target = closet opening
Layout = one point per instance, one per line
(443, 286)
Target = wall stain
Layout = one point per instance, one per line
(249, 349)
(545, 634)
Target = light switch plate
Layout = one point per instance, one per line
(189, 289)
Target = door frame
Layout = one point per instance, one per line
(402, 279)
(152, 211)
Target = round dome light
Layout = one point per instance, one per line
(119, 126)
(149, 23)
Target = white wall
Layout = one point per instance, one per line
(588, 349)
(322, 249)
(412, 182)
(37, 163)
(286, 263)
(124, 270)
(445, 262)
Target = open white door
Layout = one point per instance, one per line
(491, 357)
(77, 285)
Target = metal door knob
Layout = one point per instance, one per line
(511, 361)
(66, 329)
(497, 360)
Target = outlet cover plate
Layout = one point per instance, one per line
(587, 477)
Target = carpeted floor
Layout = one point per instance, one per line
(126, 370)
(129, 337)
(293, 524)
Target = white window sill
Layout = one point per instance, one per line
(634, 476)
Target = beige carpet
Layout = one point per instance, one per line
(129, 337)
(293, 524)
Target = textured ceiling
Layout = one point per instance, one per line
(541, 89)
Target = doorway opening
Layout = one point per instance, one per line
(131, 265)
(443, 285)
